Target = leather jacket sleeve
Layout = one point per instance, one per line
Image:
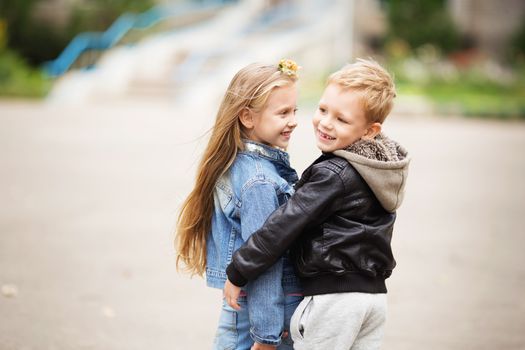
(312, 203)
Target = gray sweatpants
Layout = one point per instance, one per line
(339, 321)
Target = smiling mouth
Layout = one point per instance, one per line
(325, 136)
(286, 133)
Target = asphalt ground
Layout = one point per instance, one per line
(90, 197)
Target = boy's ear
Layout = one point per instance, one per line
(246, 118)
(372, 131)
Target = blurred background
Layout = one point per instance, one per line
(105, 107)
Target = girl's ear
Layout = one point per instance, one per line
(246, 118)
(372, 131)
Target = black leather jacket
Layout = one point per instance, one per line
(337, 233)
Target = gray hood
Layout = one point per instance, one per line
(383, 164)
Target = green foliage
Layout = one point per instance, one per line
(420, 22)
(25, 42)
(18, 79)
(98, 15)
(33, 40)
(471, 92)
(38, 42)
(517, 49)
(421, 34)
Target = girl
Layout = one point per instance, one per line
(244, 176)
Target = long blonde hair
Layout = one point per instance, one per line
(249, 88)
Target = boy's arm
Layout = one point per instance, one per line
(313, 202)
(264, 294)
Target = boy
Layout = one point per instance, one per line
(338, 224)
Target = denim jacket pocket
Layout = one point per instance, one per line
(223, 192)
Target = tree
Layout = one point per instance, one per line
(420, 22)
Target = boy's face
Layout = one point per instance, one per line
(340, 119)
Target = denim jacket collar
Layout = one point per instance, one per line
(271, 153)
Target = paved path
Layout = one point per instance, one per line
(90, 196)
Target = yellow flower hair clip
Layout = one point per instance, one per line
(288, 67)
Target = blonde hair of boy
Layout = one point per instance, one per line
(373, 82)
(249, 89)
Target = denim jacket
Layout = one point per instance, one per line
(258, 182)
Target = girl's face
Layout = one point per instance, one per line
(273, 125)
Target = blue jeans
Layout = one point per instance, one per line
(233, 332)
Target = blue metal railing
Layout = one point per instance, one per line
(102, 41)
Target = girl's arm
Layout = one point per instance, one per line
(265, 294)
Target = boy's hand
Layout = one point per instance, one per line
(231, 294)
(257, 346)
